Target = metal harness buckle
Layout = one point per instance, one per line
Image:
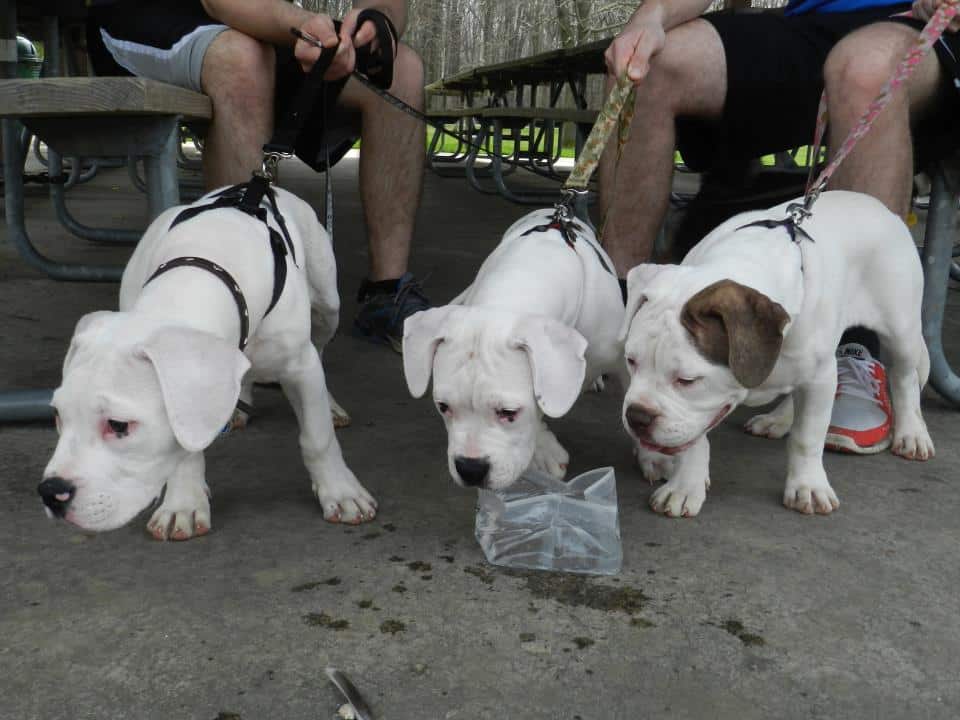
(270, 165)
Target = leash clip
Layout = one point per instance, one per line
(270, 165)
(568, 199)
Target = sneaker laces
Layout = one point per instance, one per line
(412, 289)
(855, 378)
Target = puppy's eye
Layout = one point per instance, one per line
(443, 408)
(119, 428)
(508, 415)
(632, 363)
(687, 382)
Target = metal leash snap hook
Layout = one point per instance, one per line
(270, 166)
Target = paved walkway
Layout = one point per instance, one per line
(748, 611)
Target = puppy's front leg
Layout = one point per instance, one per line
(686, 490)
(549, 456)
(341, 496)
(808, 489)
(185, 510)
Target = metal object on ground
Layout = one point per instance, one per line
(350, 693)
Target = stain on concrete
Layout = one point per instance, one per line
(579, 591)
(527, 637)
(735, 628)
(389, 527)
(399, 588)
(372, 535)
(583, 643)
(420, 566)
(641, 623)
(908, 490)
(396, 558)
(226, 715)
(448, 558)
(426, 577)
(392, 627)
(480, 572)
(364, 604)
(315, 585)
(321, 619)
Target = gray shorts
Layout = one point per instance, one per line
(180, 64)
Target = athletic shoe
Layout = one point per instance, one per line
(382, 314)
(861, 418)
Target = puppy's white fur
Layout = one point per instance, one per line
(861, 269)
(537, 325)
(168, 364)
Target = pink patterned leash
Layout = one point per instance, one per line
(928, 36)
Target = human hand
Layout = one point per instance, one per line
(924, 9)
(322, 28)
(633, 49)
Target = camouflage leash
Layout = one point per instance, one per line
(617, 111)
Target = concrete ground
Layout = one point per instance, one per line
(747, 611)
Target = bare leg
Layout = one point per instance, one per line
(238, 77)
(689, 77)
(882, 163)
(391, 165)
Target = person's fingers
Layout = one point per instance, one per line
(365, 35)
(306, 54)
(343, 62)
(348, 26)
(647, 46)
(321, 27)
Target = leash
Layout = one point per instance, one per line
(928, 36)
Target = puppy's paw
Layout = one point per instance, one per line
(341, 418)
(809, 497)
(549, 456)
(239, 420)
(183, 514)
(915, 445)
(768, 425)
(680, 497)
(344, 499)
(653, 467)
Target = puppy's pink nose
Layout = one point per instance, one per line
(640, 417)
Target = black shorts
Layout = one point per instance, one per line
(165, 40)
(775, 79)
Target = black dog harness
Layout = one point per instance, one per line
(251, 197)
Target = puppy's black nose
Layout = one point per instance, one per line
(57, 494)
(473, 471)
(640, 417)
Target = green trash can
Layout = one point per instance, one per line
(28, 59)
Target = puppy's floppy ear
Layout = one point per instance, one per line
(422, 333)
(637, 280)
(199, 377)
(555, 352)
(85, 325)
(735, 325)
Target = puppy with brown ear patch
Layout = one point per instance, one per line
(755, 312)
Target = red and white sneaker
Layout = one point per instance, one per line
(862, 416)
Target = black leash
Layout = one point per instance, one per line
(404, 107)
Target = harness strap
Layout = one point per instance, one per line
(226, 277)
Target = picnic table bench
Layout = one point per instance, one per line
(81, 117)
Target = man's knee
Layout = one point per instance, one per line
(238, 69)
(407, 72)
(857, 68)
(690, 70)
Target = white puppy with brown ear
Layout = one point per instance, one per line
(755, 311)
(147, 389)
(537, 325)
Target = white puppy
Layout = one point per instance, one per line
(538, 323)
(147, 389)
(750, 315)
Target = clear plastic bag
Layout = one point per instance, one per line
(541, 523)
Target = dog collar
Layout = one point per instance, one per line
(227, 278)
(791, 224)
